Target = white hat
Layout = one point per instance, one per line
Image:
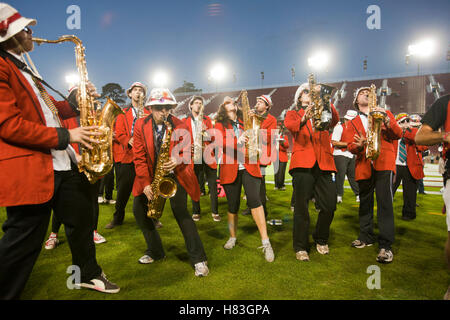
(161, 97)
(137, 84)
(298, 93)
(355, 103)
(11, 22)
(351, 114)
(266, 99)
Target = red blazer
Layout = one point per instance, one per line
(414, 159)
(229, 166)
(388, 152)
(124, 123)
(269, 124)
(72, 123)
(310, 146)
(26, 165)
(208, 123)
(117, 147)
(283, 148)
(144, 157)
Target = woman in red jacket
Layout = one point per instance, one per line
(236, 171)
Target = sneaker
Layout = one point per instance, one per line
(360, 244)
(292, 209)
(283, 188)
(145, 259)
(246, 212)
(110, 225)
(302, 256)
(196, 217)
(158, 224)
(52, 241)
(230, 244)
(98, 238)
(101, 200)
(276, 188)
(385, 256)
(216, 217)
(101, 284)
(201, 269)
(357, 198)
(268, 252)
(339, 199)
(322, 249)
(244, 197)
(110, 201)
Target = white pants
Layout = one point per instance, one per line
(446, 196)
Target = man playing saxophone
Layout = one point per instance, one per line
(149, 138)
(38, 169)
(373, 175)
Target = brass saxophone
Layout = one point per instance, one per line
(140, 108)
(162, 187)
(251, 126)
(198, 139)
(98, 161)
(322, 115)
(375, 119)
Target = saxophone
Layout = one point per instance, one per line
(140, 108)
(375, 119)
(198, 139)
(252, 126)
(162, 187)
(322, 115)
(98, 161)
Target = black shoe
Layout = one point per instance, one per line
(408, 218)
(110, 225)
(101, 284)
(246, 212)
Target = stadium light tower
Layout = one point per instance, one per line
(319, 61)
(422, 50)
(218, 73)
(160, 79)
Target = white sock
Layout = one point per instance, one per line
(233, 239)
(266, 242)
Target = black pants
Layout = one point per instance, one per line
(309, 182)
(125, 181)
(252, 187)
(345, 166)
(381, 183)
(26, 227)
(409, 191)
(280, 175)
(211, 177)
(56, 223)
(187, 226)
(107, 185)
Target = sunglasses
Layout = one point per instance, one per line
(405, 121)
(27, 30)
(161, 108)
(305, 91)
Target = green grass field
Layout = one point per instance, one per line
(419, 270)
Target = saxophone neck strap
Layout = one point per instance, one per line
(22, 66)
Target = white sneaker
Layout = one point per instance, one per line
(339, 199)
(322, 249)
(98, 238)
(111, 201)
(101, 200)
(102, 284)
(201, 269)
(302, 256)
(146, 259)
(216, 217)
(196, 217)
(357, 198)
(52, 241)
(230, 244)
(268, 252)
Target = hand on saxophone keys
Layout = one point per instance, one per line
(84, 135)
(243, 138)
(170, 165)
(308, 114)
(360, 141)
(148, 192)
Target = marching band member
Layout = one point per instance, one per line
(283, 147)
(344, 159)
(125, 124)
(409, 166)
(373, 176)
(436, 117)
(312, 169)
(236, 171)
(205, 166)
(262, 108)
(36, 159)
(148, 138)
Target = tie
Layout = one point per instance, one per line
(235, 128)
(159, 138)
(402, 152)
(134, 121)
(46, 97)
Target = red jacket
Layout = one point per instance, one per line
(117, 147)
(72, 123)
(208, 123)
(388, 153)
(124, 123)
(229, 166)
(144, 157)
(414, 159)
(283, 148)
(310, 146)
(26, 164)
(269, 124)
